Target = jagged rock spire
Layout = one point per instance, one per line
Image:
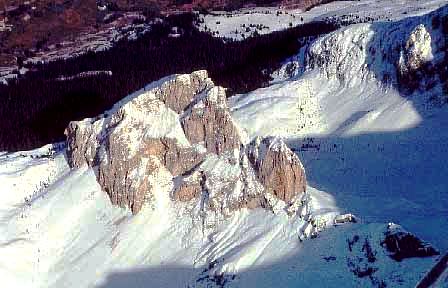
(182, 124)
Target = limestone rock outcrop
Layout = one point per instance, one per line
(209, 122)
(182, 123)
(277, 168)
(417, 50)
(178, 92)
(415, 59)
(188, 190)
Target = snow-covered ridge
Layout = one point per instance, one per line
(378, 51)
(372, 147)
(362, 60)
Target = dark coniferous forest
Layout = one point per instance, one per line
(36, 109)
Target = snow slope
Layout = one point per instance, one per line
(380, 153)
(69, 235)
(374, 150)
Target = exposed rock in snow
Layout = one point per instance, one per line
(417, 50)
(183, 124)
(82, 143)
(416, 58)
(209, 122)
(277, 168)
(345, 218)
(178, 92)
(402, 244)
(375, 150)
(125, 180)
(190, 188)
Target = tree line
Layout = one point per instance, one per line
(36, 109)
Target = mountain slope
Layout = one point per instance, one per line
(72, 236)
(361, 137)
(360, 133)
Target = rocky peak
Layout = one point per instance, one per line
(182, 124)
(178, 92)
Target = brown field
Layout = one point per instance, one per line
(38, 24)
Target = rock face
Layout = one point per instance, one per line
(277, 168)
(177, 93)
(187, 190)
(182, 123)
(209, 122)
(415, 59)
(402, 244)
(417, 50)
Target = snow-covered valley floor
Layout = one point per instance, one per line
(243, 23)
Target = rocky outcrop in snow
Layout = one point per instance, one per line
(402, 244)
(277, 168)
(415, 65)
(417, 50)
(178, 92)
(407, 54)
(209, 122)
(182, 123)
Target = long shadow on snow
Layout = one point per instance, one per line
(316, 263)
(399, 176)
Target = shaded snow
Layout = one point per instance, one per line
(380, 153)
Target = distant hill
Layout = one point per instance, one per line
(30, 26)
